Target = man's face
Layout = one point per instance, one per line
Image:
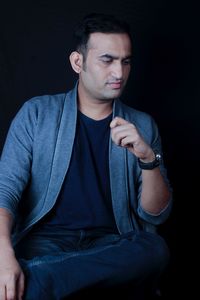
(106, 67)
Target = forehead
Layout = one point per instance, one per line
(113, 43)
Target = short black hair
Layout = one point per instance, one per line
(98, 22)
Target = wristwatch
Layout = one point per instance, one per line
(153, 164)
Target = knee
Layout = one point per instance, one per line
(161, 253)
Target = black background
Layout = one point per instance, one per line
(35, 42)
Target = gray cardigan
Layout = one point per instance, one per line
(36, 157)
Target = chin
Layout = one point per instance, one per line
(110, 95)
(116, 93)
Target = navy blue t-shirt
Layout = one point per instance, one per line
(85, 198)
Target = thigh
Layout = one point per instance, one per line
(132, 258)
(46, 241)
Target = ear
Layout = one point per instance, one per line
(76, 60)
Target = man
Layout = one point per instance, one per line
(82, 182)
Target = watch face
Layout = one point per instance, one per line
(158, 156)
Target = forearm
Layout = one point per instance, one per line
(155, 193)
(6, 222)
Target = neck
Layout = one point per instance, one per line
(96, 109)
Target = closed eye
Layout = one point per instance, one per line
(126, 61)
(107, 59)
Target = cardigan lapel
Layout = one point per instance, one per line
(64, 146)
(118, 180)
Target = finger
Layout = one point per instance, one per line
(117, 121)
(128, 127)
(127, 142)
(2, 292)
(119, 136)
(11, 290)
(21, 284)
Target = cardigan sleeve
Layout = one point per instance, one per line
(152, 136)
(16, 158)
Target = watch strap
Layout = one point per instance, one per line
(150, 165)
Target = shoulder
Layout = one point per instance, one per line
(42, 106)
(42, 109)
(45, 102)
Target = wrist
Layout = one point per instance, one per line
(5, 242)
(147, 164)
(149, 158)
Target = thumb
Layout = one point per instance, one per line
(117, 121)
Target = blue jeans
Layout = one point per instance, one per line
(60, 263)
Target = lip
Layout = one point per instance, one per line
(115, 85)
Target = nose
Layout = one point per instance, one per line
(117, 70)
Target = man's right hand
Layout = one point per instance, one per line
(11, 276)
